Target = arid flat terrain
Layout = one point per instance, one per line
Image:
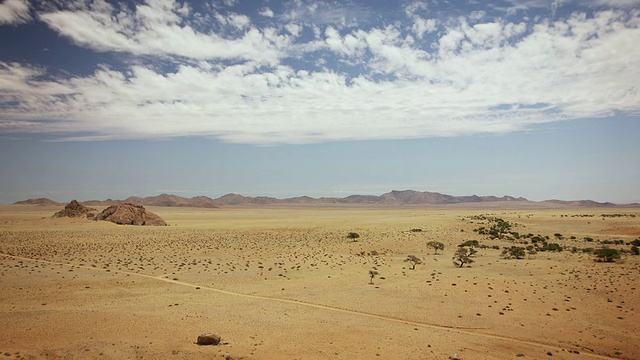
(287, 283)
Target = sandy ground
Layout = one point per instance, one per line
(286, 283)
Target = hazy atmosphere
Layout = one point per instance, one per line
(531, 98)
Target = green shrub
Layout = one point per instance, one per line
(606, 254)
(469, 243)
(513, 252)
(536, 239)
(553, 247)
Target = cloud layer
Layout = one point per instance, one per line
(316, 72)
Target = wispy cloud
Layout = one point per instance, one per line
(419, 78)
(14, 12)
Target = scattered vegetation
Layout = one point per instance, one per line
(496, 228)
(618, 215)
(414, 260)
(436, 245)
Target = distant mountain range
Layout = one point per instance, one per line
(395, 197)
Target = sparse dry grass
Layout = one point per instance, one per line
(285, 282)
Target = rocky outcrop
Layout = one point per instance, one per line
(129, 214)
(76, 210)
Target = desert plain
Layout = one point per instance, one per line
(285, 282)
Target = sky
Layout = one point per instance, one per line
(107, 99)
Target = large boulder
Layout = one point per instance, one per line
(76, 210)
(129, 214)
(208, 339)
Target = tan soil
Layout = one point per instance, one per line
(285, 283)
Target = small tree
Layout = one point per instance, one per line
(607, 254)
(353, 236)
(517, 252)
(436, 245)
(463, 256)
(414, 260)
(372, 274)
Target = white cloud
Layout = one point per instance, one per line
(422, 26)
(14, 12)
(320, 13)
(157, 28)
(480, 76)
(617, 3)
(266, 12)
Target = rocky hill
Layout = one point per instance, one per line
(76, 210)
(129, 214)
(38, 201)
(392, 198)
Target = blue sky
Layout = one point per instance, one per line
(107, 99)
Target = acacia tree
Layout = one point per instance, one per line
(414, 260)
(436, 245)
(607, 254)
(463, 256)
(372, 274)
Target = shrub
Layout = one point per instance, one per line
(606, 254)
(469, 243)
(635, 250)
(536, 239)
(551, 247)
(353, 236)
(513, 252)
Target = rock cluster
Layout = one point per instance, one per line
(76, 210)
(129, 214)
